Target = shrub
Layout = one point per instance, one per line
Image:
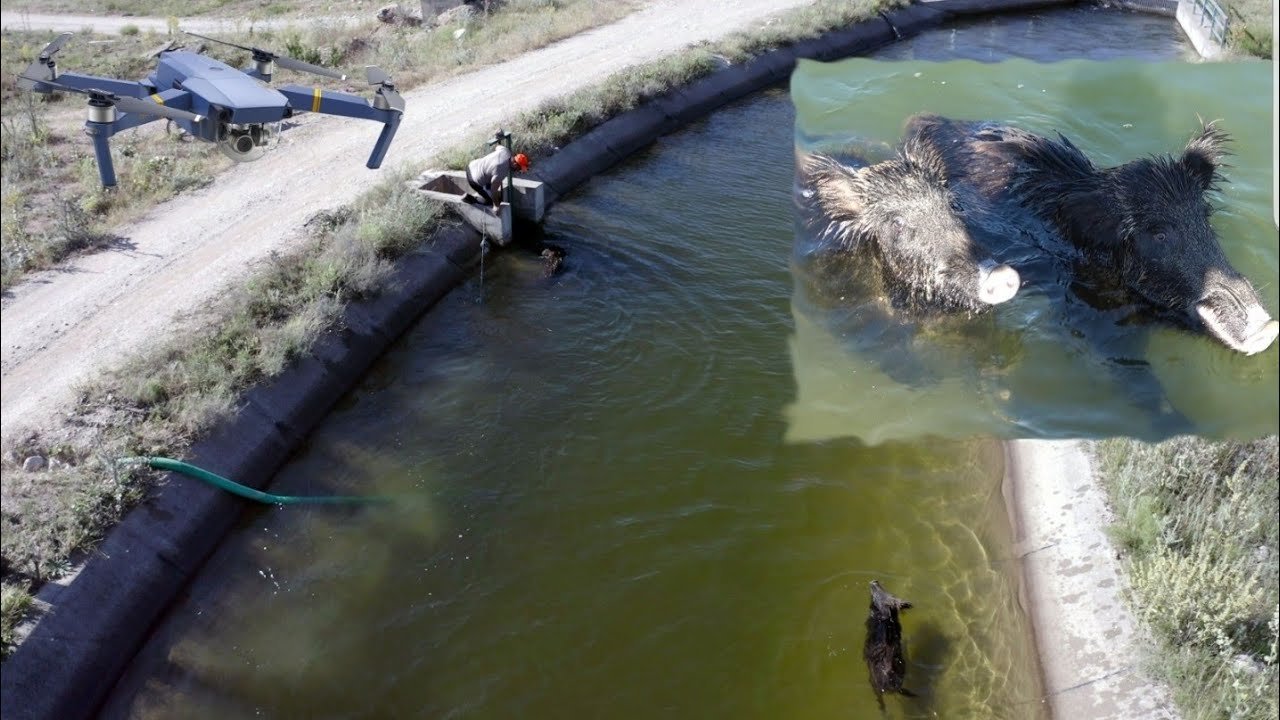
(1200, 521)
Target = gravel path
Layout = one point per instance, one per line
(21, 20)
(63, 326)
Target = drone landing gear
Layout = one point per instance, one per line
(384, 140)
(101, 134)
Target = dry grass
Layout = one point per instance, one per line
(545, 129)
(14, 601)
(1252, 26)
(194, 8)
(1199, 521)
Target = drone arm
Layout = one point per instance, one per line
(176, 99)
(92, 82)
(314, 99)
(306, 99)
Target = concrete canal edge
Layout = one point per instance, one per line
(97, 619)
(1086, 636)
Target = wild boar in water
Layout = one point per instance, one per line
(1140, 230)
(883, 649)
(901, 214)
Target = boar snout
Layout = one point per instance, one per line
(997, 283)
(1243, 326)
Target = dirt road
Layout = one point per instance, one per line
(69, 324)
(21, 20)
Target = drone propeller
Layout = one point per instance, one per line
(377, 76)
(52, 48)
(288, 63)
(42, 70)
(169, 45)
(126, 103)
(136, 105)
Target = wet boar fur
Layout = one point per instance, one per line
(883, 648)
(901, 214)
(1141, 229)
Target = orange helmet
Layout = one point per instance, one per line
(522, 161)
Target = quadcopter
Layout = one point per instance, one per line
(212, 101)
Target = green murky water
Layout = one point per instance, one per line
(612, 506)
(1062, 370)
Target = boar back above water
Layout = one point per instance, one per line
(883, 649)
(901, 213)
(1141, 229)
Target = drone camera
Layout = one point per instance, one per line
(246, 142)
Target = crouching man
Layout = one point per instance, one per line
(486, 174)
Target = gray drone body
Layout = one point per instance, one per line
(236, 109)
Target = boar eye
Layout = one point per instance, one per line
(899, 221)
(1160, 236)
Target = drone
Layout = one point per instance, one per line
(212, 101)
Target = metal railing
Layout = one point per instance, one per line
(1210, 13)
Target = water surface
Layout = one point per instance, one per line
(1043, 365)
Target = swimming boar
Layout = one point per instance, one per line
(883, 648)
(901, 214)
(1141, 229)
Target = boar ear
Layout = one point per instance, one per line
(852, 194)
(836, 186)
(922, 125)
(1204, 154)
(923, 148)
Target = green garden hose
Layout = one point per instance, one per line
(160, 463)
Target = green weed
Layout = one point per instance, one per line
(14, 601)
(1251, 27)
(1199, 521)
